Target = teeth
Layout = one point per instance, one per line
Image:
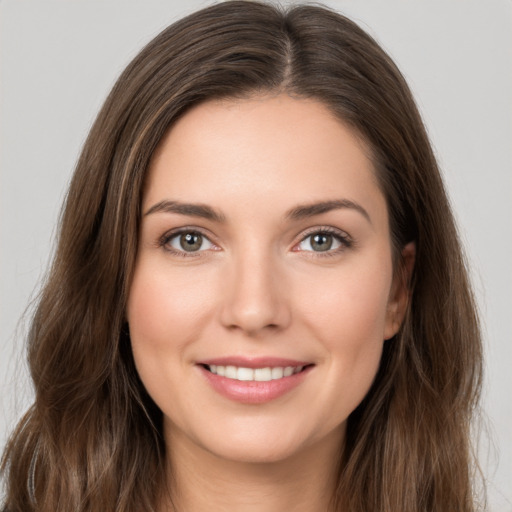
(288, 371)
(231, 372)
(256, 374)
(262, 374)
(277, 373)
(245, 374)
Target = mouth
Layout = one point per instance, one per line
(254, 381)
(264, 374)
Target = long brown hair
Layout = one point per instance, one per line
(93, 431)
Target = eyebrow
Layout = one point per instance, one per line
(296, 213)
(310, 210)
(194, 210)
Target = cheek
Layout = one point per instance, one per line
(165, 314)
(349, 318)
(162, 307)
(350, 306)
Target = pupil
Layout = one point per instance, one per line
(321, 242)
(191, 241)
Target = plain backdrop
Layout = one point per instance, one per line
(58, 60)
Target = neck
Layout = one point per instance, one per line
(200, 481)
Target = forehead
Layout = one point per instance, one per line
(258, 150)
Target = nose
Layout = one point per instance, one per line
(255, 298)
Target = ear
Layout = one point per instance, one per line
(400, 291)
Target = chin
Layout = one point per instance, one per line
(257, 441)
(260, 441)
(254, 452)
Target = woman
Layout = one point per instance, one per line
(258, 299)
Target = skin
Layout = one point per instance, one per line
(257, 287)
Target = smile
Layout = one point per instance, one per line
(254, 381)
(254, 374)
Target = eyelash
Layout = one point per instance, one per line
(167, 237)
(343, 238)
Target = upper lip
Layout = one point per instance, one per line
(253, 362)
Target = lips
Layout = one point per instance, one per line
(254, 380)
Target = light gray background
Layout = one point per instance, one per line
(58, 60)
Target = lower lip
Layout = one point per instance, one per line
(254, 392)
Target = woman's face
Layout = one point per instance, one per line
(263, 289)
